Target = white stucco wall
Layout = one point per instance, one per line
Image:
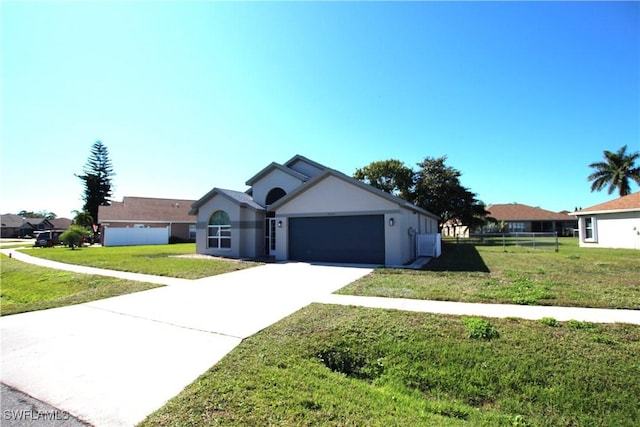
(614, 230)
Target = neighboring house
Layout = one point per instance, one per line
(17, 226)
(523, 218)
(304, 211)
(12, 225)
(145, 212)
(613, 224)
(61, 223)
(454, 228)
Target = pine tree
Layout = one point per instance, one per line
(96, 179)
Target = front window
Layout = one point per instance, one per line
(192, 231)
(219, 231)
(516, 227)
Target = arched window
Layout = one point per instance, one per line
(219, 231)
(274, 195)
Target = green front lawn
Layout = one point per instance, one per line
(159, 260)
(346, 366)
(573, 276)
(26, 287)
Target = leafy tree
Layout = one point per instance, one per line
(616, 171)
(438, 190)
(74, 235)
(40, 214)
(83, 219)
(391, 176)
(96, 179)
(435, 187)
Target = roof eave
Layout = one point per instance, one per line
(279, 167)
(604, 211)
(331, 172)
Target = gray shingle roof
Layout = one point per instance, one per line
(241, 198)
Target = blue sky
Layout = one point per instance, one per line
(188, 96)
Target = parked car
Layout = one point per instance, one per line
(47, 239)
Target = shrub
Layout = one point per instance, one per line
(576, 324)
(478, 328)
(74, 235)
(549, 321)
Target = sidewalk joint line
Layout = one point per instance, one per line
(162, 322)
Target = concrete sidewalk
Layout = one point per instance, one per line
(161, 280)
(114, 361)
(595, 315)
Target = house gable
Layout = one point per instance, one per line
(345, 191)
(305, 166)
(345, 194)
(236, 197)
(274, 178)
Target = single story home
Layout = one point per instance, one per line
(304, 211)
(146, 212)
(613, 224)
(17, 226)
(523, 218)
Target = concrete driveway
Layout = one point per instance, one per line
(114, 361)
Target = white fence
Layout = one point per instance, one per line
(132, 236)
(429, 245)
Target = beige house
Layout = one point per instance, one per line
(613, 224)
(145, 212)
(304, 211)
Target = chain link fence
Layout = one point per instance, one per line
(541, 241)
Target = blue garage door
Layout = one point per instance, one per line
(347, 239)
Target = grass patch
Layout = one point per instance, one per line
(480, 329)
(159, 260)
(347, 366)
(574, 276)
(26, 287)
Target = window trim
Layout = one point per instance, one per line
(219, 235)
(589, 223)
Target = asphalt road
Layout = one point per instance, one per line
(21, 410)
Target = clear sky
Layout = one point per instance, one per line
(188, 96)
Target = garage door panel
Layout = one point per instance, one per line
(353, 239)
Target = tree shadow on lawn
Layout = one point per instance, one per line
(462, 257)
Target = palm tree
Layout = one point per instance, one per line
(616, 171)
